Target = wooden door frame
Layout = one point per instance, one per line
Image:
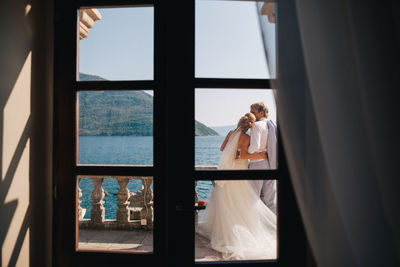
(173, 104)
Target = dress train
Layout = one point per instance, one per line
(236, 222)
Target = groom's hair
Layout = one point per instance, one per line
(260, 106)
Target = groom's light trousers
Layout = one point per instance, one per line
(266, 189)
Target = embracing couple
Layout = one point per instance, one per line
(240, 218)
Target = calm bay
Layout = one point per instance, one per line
(135, 150)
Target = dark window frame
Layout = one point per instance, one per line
(173, 86)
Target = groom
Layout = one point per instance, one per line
(263, 139)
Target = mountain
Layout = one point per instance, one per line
(201, 129)
(89, 77)
(119, 113)
(115, 113)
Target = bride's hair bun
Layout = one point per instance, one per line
(246, 121)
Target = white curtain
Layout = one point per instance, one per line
(339, 107)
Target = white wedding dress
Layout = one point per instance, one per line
(236, 222)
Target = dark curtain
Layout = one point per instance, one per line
(338, 79)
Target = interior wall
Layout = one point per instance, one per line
(26, 30)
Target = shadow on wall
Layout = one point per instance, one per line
(23, 142)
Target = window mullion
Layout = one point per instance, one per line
(237, 175)
(113, 85)
(233, 83)
(114, 170)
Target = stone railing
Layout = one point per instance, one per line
(196, 198)
(135, 210)
(87, 17)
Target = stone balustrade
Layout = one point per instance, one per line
(135, 210)
(87, 17)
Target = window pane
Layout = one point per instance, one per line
(116, 44)
(115, 213)
(229, 41)
(220, 110)
(267, 15)
(234, 221)
(115, 127)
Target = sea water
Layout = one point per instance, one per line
(135, 150)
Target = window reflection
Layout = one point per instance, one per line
(229, 42)
(115, 213)
(233, 222)
(239, 131)
(115, 127)
(117, 43)
(267, 13)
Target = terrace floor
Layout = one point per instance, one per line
(136, 241)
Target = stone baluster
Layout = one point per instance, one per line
(87, 17)
(98, 212)
(147, 211)
(196, 198)
(81, 212)
(123, 196)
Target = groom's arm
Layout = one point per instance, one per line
(244, 145)
(245, 155)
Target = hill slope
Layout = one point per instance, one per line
(201, 129)
(115, 113)
(119, 113)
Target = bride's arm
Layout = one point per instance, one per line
(244, 153)
(225, 141)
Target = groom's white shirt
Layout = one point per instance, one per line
(258, 138)
(263, 138)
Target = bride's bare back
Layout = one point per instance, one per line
(243, 143)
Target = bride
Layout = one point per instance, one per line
(236, 222)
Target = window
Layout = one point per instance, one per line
(92, 99)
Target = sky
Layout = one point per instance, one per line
(228, 41)
(120, 45)
(221, 107)
(228, 45)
